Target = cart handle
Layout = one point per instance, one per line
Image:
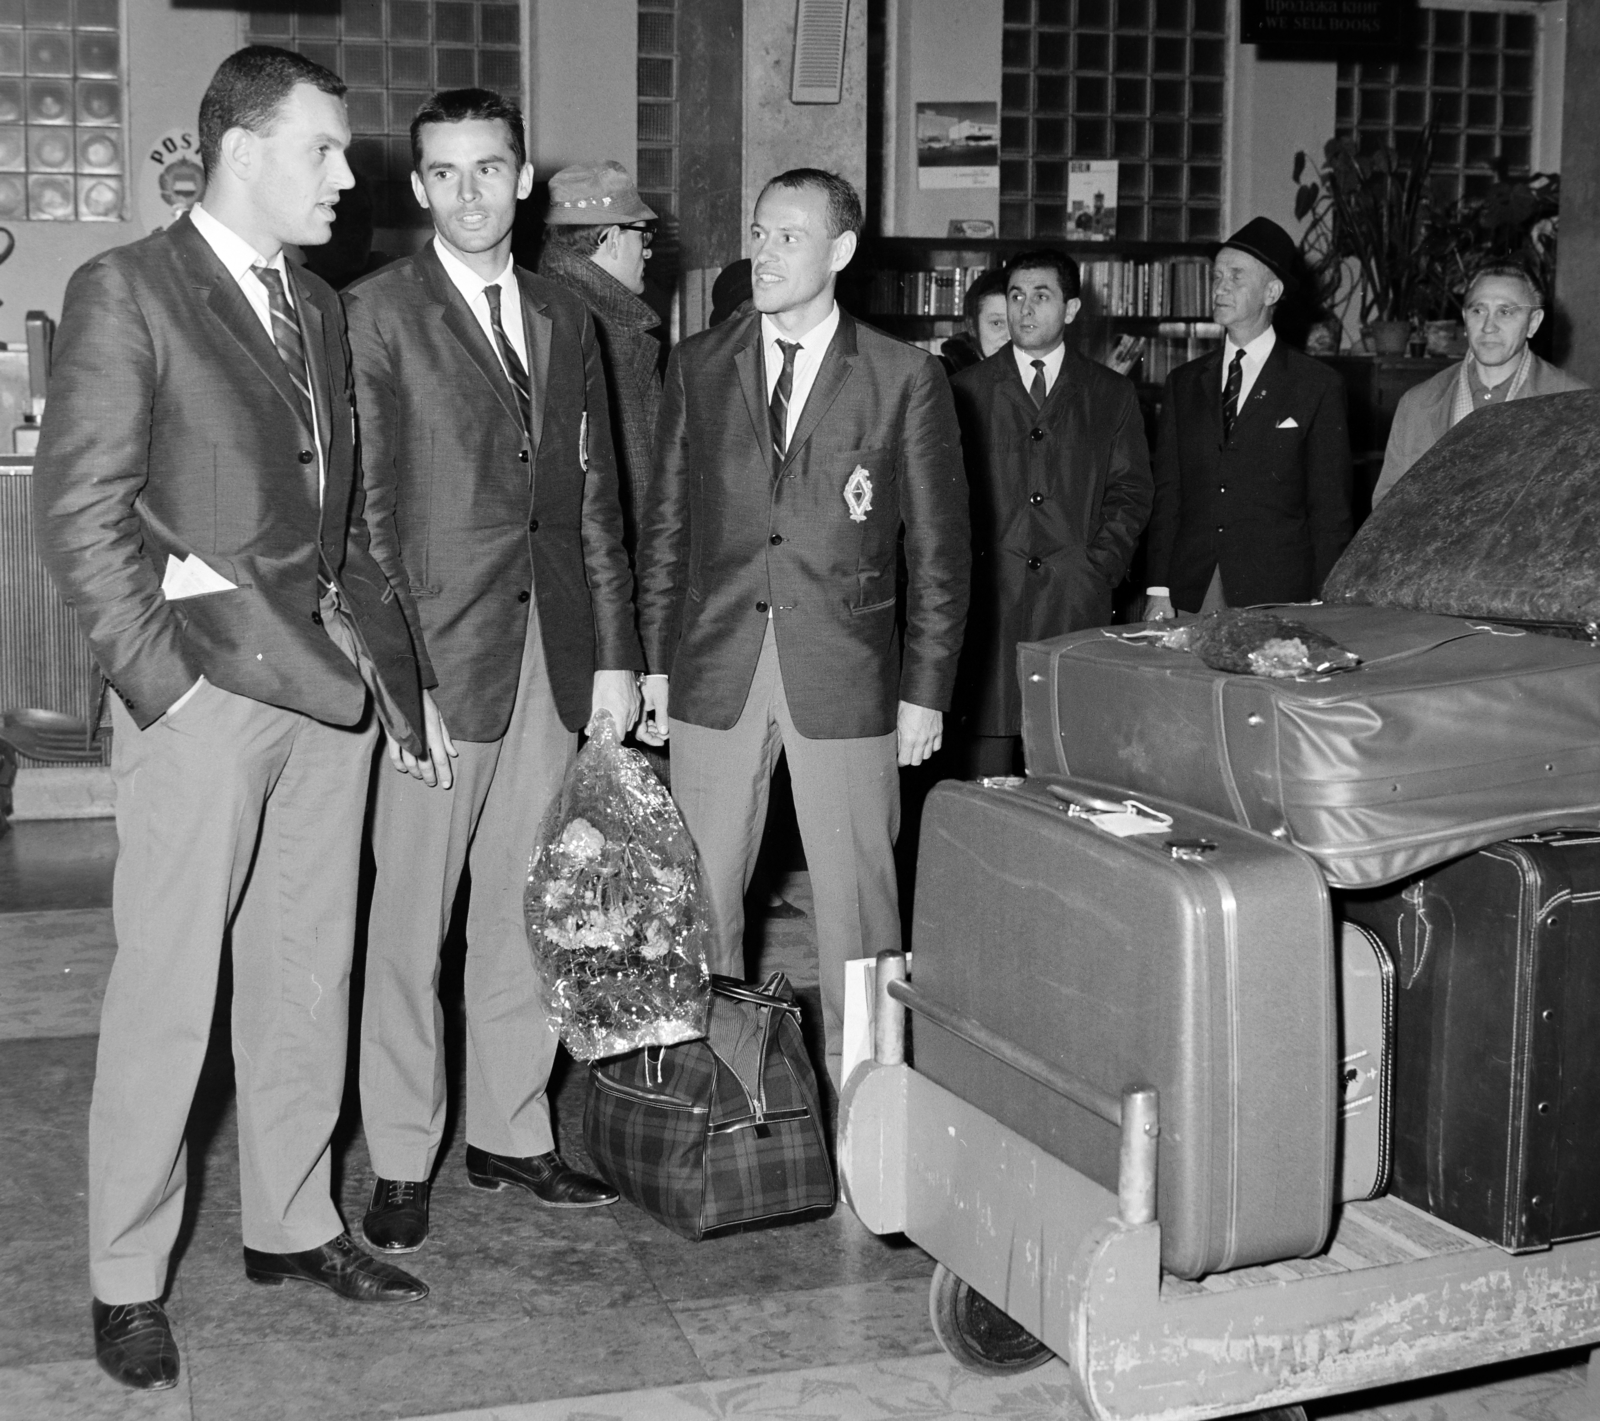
(1136, 1113)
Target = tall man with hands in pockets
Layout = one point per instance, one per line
(487, 446)
(793, 448)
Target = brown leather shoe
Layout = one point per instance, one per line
(340, 1267)
(397, 1218)
(133, 1343)
(553, 1182)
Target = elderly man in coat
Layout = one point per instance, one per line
(1060, 482)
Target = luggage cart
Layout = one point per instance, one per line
(1034, 1257)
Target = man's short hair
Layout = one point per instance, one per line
(249, 88)
(1049, 259)
(1513, 271)
(585, 241)
(844, 205)
(989, 283)
(460, 105)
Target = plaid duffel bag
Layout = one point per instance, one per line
(722, 1134)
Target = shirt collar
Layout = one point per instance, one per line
(1257, 351)
(1052, 363)
(466, 280)
(236, 254)
(814, 341)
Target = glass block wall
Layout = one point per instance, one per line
(1474, 72)
(393, 54)
(1141, 81)
(62, 149)
(658, 126)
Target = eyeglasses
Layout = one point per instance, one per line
(647, 233)
(1478, 313)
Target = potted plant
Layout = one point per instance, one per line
(1367, 215)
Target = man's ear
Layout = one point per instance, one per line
(237, 151)
(1274, 292)
(1535, 320)
(418, 189)
(843, 248)
(524, 181)
(1073, 307)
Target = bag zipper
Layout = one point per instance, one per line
(645, 1097)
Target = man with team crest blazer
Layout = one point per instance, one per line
(487, 444)
(194, 485)
(794, 448)
(1252, 466)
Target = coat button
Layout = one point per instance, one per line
(522, 454)
(761, 607)
(1223, 489)
(775, 539)
(1035, 499)
(316, 617)
(533, 526)
(523, 595)
(1034, 564)
(1036, 434)
(306, 456)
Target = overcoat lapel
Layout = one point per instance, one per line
(1207, 395)
(458, 319)
(747, 361)
(1268, 389)
(536, 329)
(838, 361)
(313, 329)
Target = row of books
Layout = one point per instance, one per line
(1179, 287)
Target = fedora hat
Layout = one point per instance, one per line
(1269, 244)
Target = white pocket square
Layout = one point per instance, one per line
(192, 578)
(1288, 422)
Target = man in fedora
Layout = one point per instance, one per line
(596, 242)
(1252, 466)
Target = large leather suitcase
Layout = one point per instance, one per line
(1497, 1075)
(1366, 1062)
(1453, 734)
(1198, 960)
(1501, 518)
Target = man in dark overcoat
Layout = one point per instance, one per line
(1060, 481)
(1253, 453)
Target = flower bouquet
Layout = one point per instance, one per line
(616, 915)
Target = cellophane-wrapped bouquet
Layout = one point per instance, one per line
(617, 917)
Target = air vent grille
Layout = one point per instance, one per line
(819, 32)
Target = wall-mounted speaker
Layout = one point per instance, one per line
(819, 29)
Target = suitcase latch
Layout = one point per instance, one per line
(1190, 850)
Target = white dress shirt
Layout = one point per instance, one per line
(807, 361)
(1255, 356)
(238, 256)
(1052, 365)
(471, 286)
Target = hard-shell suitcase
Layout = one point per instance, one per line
(1197, 959)
(1366, 1056)
(1499, 519)
(1497, 1075)
(1452, 734)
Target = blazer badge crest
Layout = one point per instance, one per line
(858, 495)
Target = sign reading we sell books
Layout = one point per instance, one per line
(1091, 200)
(1359, 22)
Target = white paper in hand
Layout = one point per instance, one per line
(192, 578)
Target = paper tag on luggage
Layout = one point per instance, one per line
(1133, 818)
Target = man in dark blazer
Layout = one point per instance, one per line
(486, 438)
(1060, 479)
(1252, 466)
(794, 448)
(194, 487)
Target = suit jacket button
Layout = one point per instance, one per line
(306, 456)
(522, 454)
(533, 526)
(1035, 499)
(316, 618)
(1036, 434)
(775, 539)
(523, 595)
(761, 607)
(1034, 564)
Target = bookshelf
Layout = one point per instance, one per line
(1146, 305)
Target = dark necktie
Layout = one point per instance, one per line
(1230, 395)
(508, 355)
(1037, 390)
(778, 408)
(286, 335)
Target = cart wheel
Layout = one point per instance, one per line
(975, 1332)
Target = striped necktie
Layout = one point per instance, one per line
(1230, 395)
(778, 407)
(508, 356)
(1037, 391)
(286, 334)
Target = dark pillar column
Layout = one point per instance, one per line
(1578, 263)
(710, 132)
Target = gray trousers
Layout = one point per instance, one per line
(233, 818)
(422, 838)
(847, 801)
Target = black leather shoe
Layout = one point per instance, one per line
(397, 1217)
(554, 1183)
(133, 1343)
(340, 1267)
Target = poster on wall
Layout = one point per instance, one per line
(958, 145)
(171, 179)
(1091, 200)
